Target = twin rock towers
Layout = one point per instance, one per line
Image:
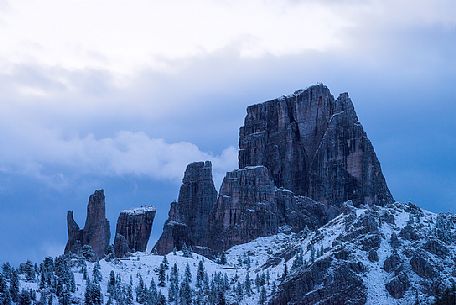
(300, 157)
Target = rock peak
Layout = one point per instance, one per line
(96, 232)
(188, 217)
(314, 146)
(133, 230)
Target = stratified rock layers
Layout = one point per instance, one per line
(188, 217)
(96, 232)
(314, 146)
(133, 230)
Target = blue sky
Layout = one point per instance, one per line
(121, 95)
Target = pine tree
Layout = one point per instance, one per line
(186, 251)
(165, 262)
(312, 254)
(129, 294)
(200, 274)
(285, 271)
(29, 270)
(6, 270)
(97, 277)
(247, 284)
(14, 286)
(223, 258)
(206, 283)
(162, 276)
(5, 297)
(112, 284)
(262, 299)
(239, 292)
(43, 298)
(25, 298)
(298, 262)
(185, 293)
(93, 295)
(188, 274)
(221, 298)
(161, 299)
(84, 272)
(173, 290)
(226, 282)
(141, 292)
(257, 282)
(152, 298)
(65, 296)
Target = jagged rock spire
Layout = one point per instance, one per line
(188, 217)
(96, 232)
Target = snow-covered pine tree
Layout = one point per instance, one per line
(188, 274)
(262, 298)
(173, 290)
(14, 286)
(25, 298)
(162, 276)
(141, 292)
(200, 274)
(247, 284)
(165, 262)
(111, 289)
(223, 258)
(97, 277)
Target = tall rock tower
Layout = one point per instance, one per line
(315, 146)
(133, 230)
(96, 232)
(188, 217)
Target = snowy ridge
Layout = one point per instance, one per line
(140, 210)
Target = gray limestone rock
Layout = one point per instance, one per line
(245, 209)
(398, 285)
(188, 217)
(96, 232)
(314, 146)
(249, 206)
(133, 227)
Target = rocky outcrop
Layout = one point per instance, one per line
(398, 285)
(249, 206)
(314, 146)
(188, 217)
(96, 232)
(246, 208)
(315, 285)
(133, 230)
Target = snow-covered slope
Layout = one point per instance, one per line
(397, 254)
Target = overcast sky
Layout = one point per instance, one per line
(121, 95)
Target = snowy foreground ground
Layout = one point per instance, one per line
(270, 257)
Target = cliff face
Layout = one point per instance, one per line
(249, 206)
(133, 230)
(188, 217)
(245, 208)
(96, 232)
(314, 146)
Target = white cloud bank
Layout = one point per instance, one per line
(126, 153)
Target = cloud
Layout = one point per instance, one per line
(126, 153)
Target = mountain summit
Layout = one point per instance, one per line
(315, 146)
